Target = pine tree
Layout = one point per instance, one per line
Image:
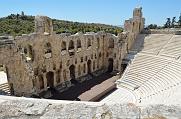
(179, 21)
(168, 23)
(173, 22)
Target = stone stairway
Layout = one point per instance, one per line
(4, 89)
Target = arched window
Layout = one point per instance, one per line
(30, 52)
(25, 51)
(71, 45)
(50, 79)
(88, 42)
(95, 56)
(48, 48)
(78, 43)
(63, 45)
(111, 43)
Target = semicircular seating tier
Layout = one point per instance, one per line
(153, 76)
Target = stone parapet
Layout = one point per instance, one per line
(163, 31)
(27, 108)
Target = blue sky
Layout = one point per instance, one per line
(97, 11)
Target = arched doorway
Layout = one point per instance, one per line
(110, 66)
(78, 43)
(89, 67)
(72, 74)
(71, 45)
(63, 45)
(111, 43)
(50, 79)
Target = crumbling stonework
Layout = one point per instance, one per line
(42, 60)
(134, 26)
(27, 108)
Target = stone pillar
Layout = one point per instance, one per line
(134, 26)
(43, 25)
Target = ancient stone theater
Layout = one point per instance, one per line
(145, 66)
(43, 59)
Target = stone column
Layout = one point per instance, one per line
(43, 25)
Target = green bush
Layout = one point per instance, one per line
(16, 24)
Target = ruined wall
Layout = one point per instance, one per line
(134, 26)
(62, 57)
(43, 24)
(43, 59)
(18, 72)
(24, 108)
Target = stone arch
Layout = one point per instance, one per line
(78, 43)
(110, 65)
(48, 48)
(41, 81)
(88, 42)
(50, 79)
(89, 66)
(25, 51)
(63, 45)
(111, 43)
(72, 74)
(30, 52)
(71, 45)
(95, 56)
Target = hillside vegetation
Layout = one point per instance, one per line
(16, 24)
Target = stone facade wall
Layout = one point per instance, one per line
(134, 26)
(24, 108)
(44, 59)
(55, 55)
(19, 74)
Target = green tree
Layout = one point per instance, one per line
(179, 21)
(168, 23)
(173, 22)
(152, 26)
